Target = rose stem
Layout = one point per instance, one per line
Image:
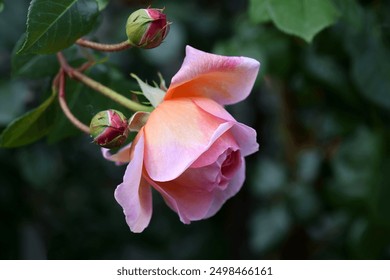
(64, 105)
(118, 98)
(103, 47)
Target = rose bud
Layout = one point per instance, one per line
(147, 28)
(109, 129)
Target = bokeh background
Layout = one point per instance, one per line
(319, 188)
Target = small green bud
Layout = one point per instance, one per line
(147, 28)
(109, 129)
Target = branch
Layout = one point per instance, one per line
(64, 105)
(106, 91)
(103, 47)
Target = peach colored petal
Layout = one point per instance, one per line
(213, 108)
(121, 157)
(176, 134)
(138, 120)
(223, 143)
(197, 190)
(245, 136)
(221, 195)
(190, 194)
(226, 80)
(134, 194)
(190, 204)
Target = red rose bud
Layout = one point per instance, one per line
(109, 129)
(147, 28)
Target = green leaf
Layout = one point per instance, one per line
(55, 25)
(1, 6)
(30, 127)
(303, 18)
(33, 65)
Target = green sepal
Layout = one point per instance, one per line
(154, 94)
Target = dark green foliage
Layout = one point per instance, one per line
(302, 18)
(30, 127)
(55, 25)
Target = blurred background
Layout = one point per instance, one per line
(319, 187)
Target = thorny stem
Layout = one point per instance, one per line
(103, 47)
(118, 98)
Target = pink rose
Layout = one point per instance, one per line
(191, 150)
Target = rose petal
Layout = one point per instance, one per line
(245, 136)
(226, 80)
(176, 134)
(221, 195)
(134, 194)
(213, 108)
(198, 193)
(231, 162)
(138, 120)
(121, 157)
(223, 143)
(189, 201)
